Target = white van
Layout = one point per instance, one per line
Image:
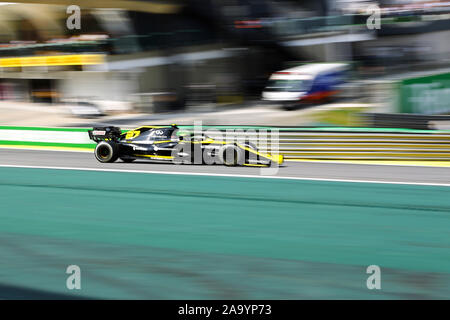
(310, 83)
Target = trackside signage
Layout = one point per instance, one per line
(425, 95)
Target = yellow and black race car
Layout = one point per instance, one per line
(167, 143)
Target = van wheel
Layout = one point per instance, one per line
(288, 107)
(106, 152)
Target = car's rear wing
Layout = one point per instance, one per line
(105, 134)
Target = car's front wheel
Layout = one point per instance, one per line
(231, 155)
(106, 152)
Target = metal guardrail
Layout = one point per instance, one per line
(292, 143)
(402, 120)
(304, 144)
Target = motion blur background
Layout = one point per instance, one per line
(155, 231)
(164, 61)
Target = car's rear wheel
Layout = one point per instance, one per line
(106, 152)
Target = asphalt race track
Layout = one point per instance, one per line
(319, 170)
(162, 231)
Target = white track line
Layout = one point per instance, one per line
(38, 148)
(400, 163)
(228, 175)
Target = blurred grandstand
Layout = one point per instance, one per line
(152, 57)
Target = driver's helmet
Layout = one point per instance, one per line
(183, 135)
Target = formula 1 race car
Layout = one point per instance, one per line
(166, 143)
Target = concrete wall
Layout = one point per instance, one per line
(115, 86)
(432, 44)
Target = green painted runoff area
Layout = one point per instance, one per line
(137, 235)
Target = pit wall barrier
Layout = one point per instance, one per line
(327, 143)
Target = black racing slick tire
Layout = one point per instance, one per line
(231, 155)
(106, 152)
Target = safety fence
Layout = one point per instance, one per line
(402, 120)
(348, 143)
(331, 143)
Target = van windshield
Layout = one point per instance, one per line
(288, 85)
